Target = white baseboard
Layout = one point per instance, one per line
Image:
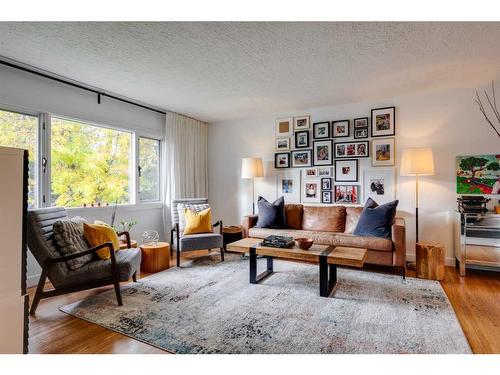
(32, 280)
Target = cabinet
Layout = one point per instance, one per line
(13, 213)
(477, 240)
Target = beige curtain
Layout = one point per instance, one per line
(185, 167)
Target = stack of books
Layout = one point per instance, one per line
(278, 241)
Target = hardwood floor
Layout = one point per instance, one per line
(475, 299)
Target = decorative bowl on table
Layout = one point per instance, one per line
(303, 243)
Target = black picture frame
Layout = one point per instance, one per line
(348, 129)
(328, 182)
(326, 193)
(276, 160)
(332, 153)
(301, 166)
(373, 123)
(357, 130)
(326, 124)
(343, 161)
(367, 147)
(307, 137)
(360, 118)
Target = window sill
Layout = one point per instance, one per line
(121, 207)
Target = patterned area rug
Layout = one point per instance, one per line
(210, 307)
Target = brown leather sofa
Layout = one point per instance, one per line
(333, 225)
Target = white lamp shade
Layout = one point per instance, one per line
(417, 162)
(252, 167)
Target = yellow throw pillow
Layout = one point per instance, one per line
(197, 222)
(97, 234)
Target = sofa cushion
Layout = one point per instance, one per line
(68, 234)
(271, 215)
(327, 219)
(327, 238)
(376, 220)
(352, 218)
(293, 213)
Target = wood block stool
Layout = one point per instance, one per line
(155, 258)
(430, 261)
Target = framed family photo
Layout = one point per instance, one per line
(284, 127)
(347, 194)
(360, 122)
(346, 170)
(326, 184)
(361, 133)
(302, 139)
(310, 173)
(383, 152)
(383, 122)
(360, 149)
(323, 152)
(311, 191)
(379, 184)
(326, 197)
(282, 144)
(301, 123)
(301, 158)
(321, 130)
(324, 172)
(340, 128)
(282, 160)
(288, 185)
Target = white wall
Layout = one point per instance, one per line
(447, 121)
(24, 91)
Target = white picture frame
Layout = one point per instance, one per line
(284, 127)
(282, 144)
(301, 123)
(309, 173)
(380, 176)
(383, 152)
(325, 172)
(289, 185)
(311, 190)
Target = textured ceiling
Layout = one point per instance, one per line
(220, 71)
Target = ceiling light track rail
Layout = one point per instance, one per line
(100, 94)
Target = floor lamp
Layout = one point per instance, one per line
(251, 168)
(417, 162)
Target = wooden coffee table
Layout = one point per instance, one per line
(328, 257)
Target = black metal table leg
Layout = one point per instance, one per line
(327, 274)
(254, 278)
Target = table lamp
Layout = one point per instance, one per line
(417, 162)
(251, 168)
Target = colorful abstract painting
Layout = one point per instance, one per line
(478, 174)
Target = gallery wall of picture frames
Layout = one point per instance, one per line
(342, 161)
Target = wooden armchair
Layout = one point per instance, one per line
(122, 265)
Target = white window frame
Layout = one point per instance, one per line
(160, 179)
(43, 189)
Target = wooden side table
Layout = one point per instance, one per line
(155, 258)
(231, 233)
(430, 261)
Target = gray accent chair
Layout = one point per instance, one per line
(122, 266)
(192, 242)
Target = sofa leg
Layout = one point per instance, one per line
(403, 272)
(178, 258)
(134, 277)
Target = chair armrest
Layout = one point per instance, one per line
(399, 242)
(249, 222)
(218, 224)
(127, 236)
(78, 255)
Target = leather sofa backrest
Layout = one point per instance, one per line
(293, 213)
(324, 218)
(352, 218)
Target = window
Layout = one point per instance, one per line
(89, 164)
(21, 131)
(149, 169)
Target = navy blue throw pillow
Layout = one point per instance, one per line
(271, 215)
(375, 220)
